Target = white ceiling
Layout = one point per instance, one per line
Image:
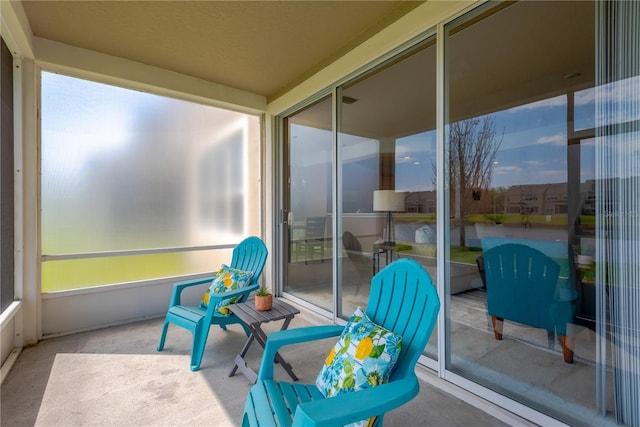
(264, 47)
(522, 53)
(267, 47)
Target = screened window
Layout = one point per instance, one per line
(137, 186)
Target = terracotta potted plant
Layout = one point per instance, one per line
(263, 299)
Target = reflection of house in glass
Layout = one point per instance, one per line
(534, 199)
(546, 199)
(421, 202)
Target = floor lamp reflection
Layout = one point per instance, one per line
(388, 201)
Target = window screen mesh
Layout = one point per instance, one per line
(125, 170)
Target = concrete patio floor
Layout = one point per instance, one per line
(115, 377)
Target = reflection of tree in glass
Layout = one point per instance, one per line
(473, 145)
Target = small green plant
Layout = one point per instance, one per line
(496, 218)
(263, 291)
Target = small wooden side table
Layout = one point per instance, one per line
(254, 319)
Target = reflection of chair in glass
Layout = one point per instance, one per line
(360, 261)
(403, 300)
(248, 255)
(521, 287)
(480, 264)
(314, 239)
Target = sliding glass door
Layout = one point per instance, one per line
(387, 162)
(536, 174)
(307, 205)
(385, 143)
(520, 126)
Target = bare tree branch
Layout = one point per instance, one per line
(473, 146)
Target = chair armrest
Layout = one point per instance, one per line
(215, 299)
(279, 339)
(359, 405)
(178, 287)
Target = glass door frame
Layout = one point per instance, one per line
(282, 208)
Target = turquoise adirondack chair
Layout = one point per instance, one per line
(403, 300)
(522, 287)
(248, 255)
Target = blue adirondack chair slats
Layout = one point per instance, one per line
(403, 300)
(248, 255)
(521, 286)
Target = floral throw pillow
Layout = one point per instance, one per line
(227, 279)
(363, 357)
